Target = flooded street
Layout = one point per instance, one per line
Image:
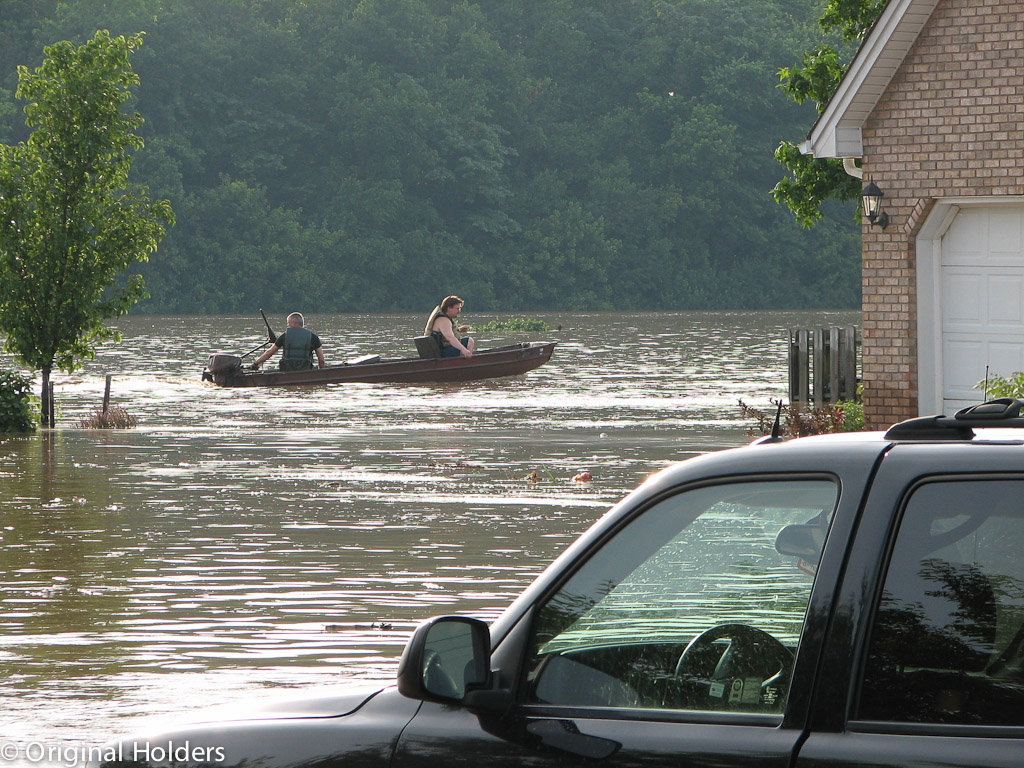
(240, 542)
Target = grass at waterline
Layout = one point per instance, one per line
(112, 418)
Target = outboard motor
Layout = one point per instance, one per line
(220, 367)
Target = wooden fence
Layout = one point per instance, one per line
(823, 365)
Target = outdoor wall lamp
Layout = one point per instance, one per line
(871, 198)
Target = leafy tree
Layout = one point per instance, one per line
(6, 112)
(70, 223)
(813, 180)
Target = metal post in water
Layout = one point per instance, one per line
(106, 394)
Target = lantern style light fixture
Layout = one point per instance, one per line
(871, 198)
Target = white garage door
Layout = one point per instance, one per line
(982, 288)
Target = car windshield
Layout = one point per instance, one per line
(699, 559)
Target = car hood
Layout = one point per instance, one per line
(324, 702)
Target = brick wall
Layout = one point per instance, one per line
(950, 124)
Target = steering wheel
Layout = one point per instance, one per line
(734, 666)
(436, 679)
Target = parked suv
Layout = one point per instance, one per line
(827, 602)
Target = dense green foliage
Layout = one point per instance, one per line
(362, 155)
(15, 403)
(812, 181)
(513, 325)
(70, 222)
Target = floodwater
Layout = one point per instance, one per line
(239, 543)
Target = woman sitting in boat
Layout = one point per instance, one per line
(298, 343)
(441, 325)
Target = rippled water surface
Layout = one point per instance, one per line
(244, 541)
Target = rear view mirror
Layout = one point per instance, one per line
(803, 541)
(445, 658)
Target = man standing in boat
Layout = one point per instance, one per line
(298, 343)
(441, 325)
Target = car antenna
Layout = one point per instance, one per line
(776, 426)
(776, 433)
(985, 394)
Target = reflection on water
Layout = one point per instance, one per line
(239, 540)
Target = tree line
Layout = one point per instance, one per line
(376, 155)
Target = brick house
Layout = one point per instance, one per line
(933, 107)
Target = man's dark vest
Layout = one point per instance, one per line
(298, 349)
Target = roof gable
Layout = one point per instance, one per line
(837, 131)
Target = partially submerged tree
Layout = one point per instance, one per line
(813, 180)
(70, 223)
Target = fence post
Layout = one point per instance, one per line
(819, 366)
(835, 384)
(799, 351)
(848, 363)
(106, 394)
(823, 365)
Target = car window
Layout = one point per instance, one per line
(698, 604)
(947, 641)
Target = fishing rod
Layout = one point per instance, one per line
(270, 335)
(254, 349)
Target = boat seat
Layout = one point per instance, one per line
(364, 360)
(427, 346)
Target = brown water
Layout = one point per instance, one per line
(239, 542)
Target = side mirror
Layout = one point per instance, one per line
(445, 658)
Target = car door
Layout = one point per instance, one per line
(926, 667)
(684, 637)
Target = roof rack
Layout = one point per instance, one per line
(1004, 413)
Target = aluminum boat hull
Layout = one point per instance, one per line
(228, 371)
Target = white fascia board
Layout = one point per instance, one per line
(837, 132)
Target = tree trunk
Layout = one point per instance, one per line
(44, 400)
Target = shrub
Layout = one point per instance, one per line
(513, 324)
(853, 414)
(16, 403)
(1011, 386)
(113, 418)
(801, 421)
